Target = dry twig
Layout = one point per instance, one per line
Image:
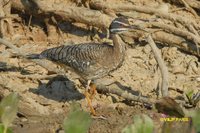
(180, 32)
(67, 12)
(162, 66)
(144, 9)
(193, 3)
(189, 8)
(32, 76)
(163, 34)
(124, 94)
(5, 23)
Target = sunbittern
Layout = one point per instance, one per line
(91, 60)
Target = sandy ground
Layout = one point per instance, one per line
(47, 101)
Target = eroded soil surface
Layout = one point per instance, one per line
(46, 99)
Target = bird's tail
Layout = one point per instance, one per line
(33, 56)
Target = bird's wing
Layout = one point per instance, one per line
(80, 56)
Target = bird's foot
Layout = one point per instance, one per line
(89, 103)
(91, 89)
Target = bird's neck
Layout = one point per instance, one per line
(118, 44)
(118, 50)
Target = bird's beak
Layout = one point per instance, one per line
(134, 27)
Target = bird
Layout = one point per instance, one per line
(91, 61)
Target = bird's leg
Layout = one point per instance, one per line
(93, 90)
(89, 103)
(88, 98)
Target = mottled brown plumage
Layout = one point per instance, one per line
(87, 60)
(92, 60)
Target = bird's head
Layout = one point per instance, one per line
(120, 25)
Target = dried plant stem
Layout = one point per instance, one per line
(124, 94)
(162, 66)
(66, 12)
(193, 3)
(189, 8)
(33, 76)
(180, 32)
(144, 9)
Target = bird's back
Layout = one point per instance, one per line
(88, 60)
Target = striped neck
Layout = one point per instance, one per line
(118, 50)
(118, 44)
